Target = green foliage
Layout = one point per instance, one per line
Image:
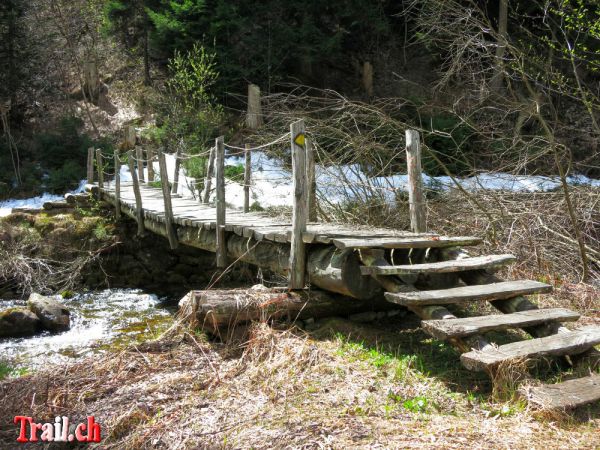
(273, 39)
(416, 404)
(235, 173)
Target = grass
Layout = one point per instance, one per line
(343, 385)
(8, 371)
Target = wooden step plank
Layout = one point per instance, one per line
(405, 242)
(489, 262)
(571, 343)
(494, 291)
(566, 395)
(469, 326)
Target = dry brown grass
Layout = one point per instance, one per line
(284, 389)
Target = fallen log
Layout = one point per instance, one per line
(219, 312)
(57, 205)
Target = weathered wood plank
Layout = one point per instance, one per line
(220, 222)
(416, 197)
(90, 165)
(406, 242)
(117, 191)
(566, 395)
(139, 211)
(300, 206)
(169, 218)
(571, 343)
(311, 181)
(490, 262)
(209, 176)
(100, 168)
(494, 291)
(247, 175)
(452, 328)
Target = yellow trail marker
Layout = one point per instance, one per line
(300, 139)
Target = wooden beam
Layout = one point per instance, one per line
(254, 118)
(446, 329)
(210, 168)
(311, 181)
(432, 241)
(171, 234)
(139, 210)
(117, 185)
(90, 165)
(175, 186)
(220, 171)
(416, 200)
(100, 168)
(300, 206)
(464, 294)
(572, 343)
(488, 263)
(150, 157)
(566, 395)
(247, 175)
(139, 156)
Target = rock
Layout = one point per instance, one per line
(17, 322)
(53, 314)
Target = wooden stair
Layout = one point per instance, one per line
(432, 241)
(561, 344)
(494, 291)
(470, 326)
(568, 394)
(490, 263)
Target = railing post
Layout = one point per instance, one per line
(164, 181)
(210, 169)
(90, 165)
(175, 186)
(220, 169)
(300, 213)
(139, 154)
(418, 223)
(150, 157)
(139, 211)
(117, 185)
(100, 167)
(254, 117)
(311, 181)
(247, 175)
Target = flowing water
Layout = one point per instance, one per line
(109, 319)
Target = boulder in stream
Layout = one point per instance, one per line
(53, 314)
(17, 322)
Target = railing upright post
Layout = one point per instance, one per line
(311, 181)
(169, 219)
(175, 186)
(100, 168)
(247, 176)
(220, 172)
(139, 154)
(117, 185)
(416, 198)
(139, 211)
(90, 165)
(210, 169)
(150, 157)
(300, 206)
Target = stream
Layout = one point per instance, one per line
(100, 321)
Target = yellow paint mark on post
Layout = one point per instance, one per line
(300, 139)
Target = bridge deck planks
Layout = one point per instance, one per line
(189, 212)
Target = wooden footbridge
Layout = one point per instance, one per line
(421, 271)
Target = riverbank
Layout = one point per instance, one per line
(341, 385)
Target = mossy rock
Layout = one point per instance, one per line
(18, 322)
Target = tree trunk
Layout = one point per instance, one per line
(220, 311)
